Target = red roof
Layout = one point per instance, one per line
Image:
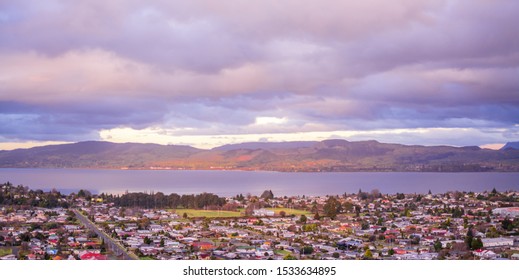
(93, 256)
(203, 245)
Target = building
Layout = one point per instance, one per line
(507, 211)
(263, 212)
(497, 242)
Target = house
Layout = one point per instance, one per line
(497, 242)
(263, 212)
(92, 256)
(507, 211)
(485, 254)
(203, 245)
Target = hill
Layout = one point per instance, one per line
(93, 154)
(328, 155)
(511, 145)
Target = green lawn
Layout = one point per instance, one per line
(196, 213)
(282, 252)
(193, 213)
(289, 211)
(5, 252)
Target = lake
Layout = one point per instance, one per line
(230, 183)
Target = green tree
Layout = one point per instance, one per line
(267, 195)
(289, 257)
(492, 232)
(303, 219)
(309, 227)
(348, 206)
(368, 254)
(103, 246)
(476, 243)
(330, 207)
(437, 245)
(469, 237)
(306, 250)
(507, 224)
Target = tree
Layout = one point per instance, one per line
(375, 193)
(492, 232)
(289, 257)
(336, 255)
(303, 219)
(122, 212)
(103, 246)
(309, 227)
(267, 194)
(330, 207)
(476, 244)
(307, 250)
(469, 237)
(437, 245)
(507, 224)
(348, 206)
(368, 255)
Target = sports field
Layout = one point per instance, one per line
(195, 213)
(289, 211)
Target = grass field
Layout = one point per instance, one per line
(194, 213)
(289, 211)
(282, 252)
(5, 252)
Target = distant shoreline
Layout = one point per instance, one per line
(261, 170)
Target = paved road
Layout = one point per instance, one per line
(111, 244)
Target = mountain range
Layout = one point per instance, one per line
(511, 145)
(301, 156)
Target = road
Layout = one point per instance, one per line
(111, 244)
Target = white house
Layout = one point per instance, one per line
(497, 242)
(263, 212)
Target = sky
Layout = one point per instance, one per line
(208, 73)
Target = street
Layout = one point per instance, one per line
(111, 244)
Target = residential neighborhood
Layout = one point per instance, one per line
(363, 225)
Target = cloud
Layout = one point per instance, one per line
(72, 70)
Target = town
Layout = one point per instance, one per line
(38, 225)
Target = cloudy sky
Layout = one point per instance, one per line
(207, 73)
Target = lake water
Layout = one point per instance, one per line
(230, 183)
